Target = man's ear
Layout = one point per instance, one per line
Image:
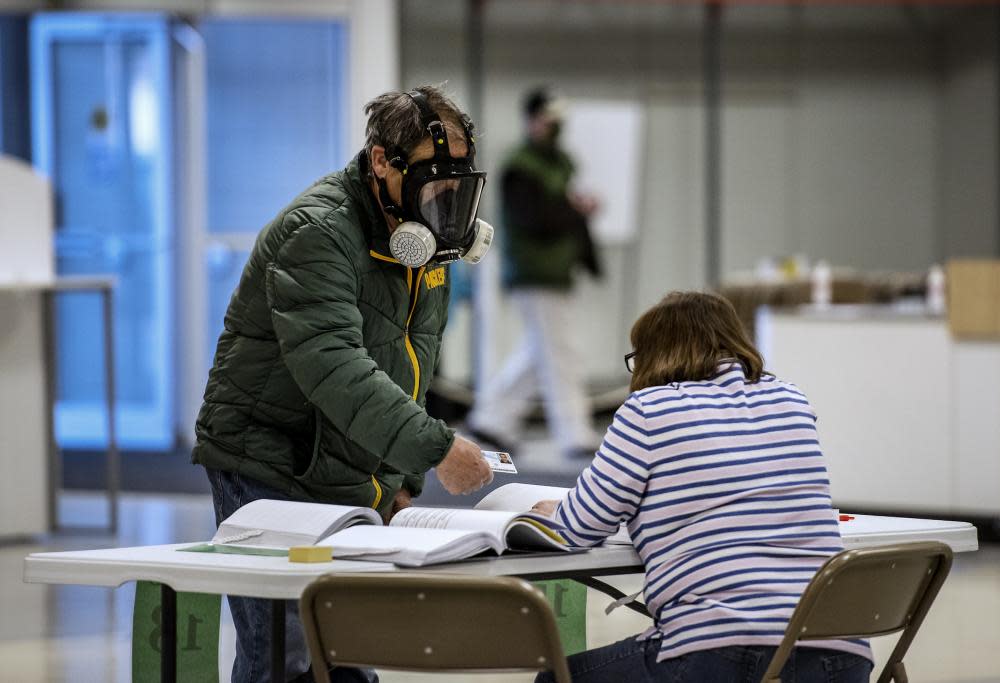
(380, 165)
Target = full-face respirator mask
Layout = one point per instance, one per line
(439, 201)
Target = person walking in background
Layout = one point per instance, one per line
(715, 466)
(545, 239)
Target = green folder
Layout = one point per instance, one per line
(234, 550)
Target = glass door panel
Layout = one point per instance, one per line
(102, 132)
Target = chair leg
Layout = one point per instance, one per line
(778, 661)
(893, 671)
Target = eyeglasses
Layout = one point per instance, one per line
(630, 361)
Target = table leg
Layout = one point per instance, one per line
(53, 456)
(168, 632)
(277, 640)
(113, 466)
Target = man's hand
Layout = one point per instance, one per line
(402, 500)
(464, 469)
(545, 507)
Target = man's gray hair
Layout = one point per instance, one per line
(394, 118)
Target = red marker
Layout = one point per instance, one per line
(846, 518)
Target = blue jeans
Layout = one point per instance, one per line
(635, 661)
(252, 616)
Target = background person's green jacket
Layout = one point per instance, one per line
(544, 237)
(320, 375)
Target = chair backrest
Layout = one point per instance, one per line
(430, 622)
(868, 592)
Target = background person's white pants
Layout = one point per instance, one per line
(546, 361)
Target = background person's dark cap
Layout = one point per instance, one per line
(536, 100)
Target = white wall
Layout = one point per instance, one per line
(865, 170)
(970, 221)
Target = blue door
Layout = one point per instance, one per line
(102, 132)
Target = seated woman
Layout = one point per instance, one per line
(716, 468)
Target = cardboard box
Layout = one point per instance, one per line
(974, 298)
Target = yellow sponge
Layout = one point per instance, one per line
(310, 553)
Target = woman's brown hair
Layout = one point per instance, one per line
(685, 336)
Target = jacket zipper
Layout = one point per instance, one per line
(414, 289)
(414, 292)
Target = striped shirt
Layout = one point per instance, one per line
(726, 497)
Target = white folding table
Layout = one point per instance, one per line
(277, 579)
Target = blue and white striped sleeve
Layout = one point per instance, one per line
(608, 493)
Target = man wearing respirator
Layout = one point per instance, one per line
(331, 338)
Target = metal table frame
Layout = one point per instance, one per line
(49, 290)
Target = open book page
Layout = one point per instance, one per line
(453, 518)
(284, 523)
(409, 547)
(514, 529)
(520, 497)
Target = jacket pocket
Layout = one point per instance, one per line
(341, 472)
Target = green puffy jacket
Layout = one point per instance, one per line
(542, 232)
(320, 375)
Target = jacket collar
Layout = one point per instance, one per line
(375, 230)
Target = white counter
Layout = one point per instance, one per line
(909, 418)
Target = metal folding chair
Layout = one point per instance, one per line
(865, 593)
(430, 622)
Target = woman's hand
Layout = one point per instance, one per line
(545, 507)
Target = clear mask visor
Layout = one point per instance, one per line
(448, 207)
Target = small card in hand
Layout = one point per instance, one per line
(500, 461)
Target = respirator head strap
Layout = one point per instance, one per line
(432, 123)
(397, 158)
(389, 206)
(470, 138)
(439, 138)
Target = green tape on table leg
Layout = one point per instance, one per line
(197, 635)
(569, 603)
